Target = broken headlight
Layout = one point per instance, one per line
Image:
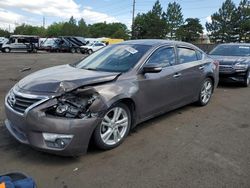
(72, 105)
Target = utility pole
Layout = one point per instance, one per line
(43, 21)
(133, 17)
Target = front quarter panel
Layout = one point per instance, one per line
(115, 91)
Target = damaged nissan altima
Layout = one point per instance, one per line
(102, 97)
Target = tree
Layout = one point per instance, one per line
(83, 29)
(112, 30)
(173, 18)
(223, 27)
(55, 29)
(30, 30)
(190, 31)
(151, 24)
(4, 33)
(70, 28)
(243, 23)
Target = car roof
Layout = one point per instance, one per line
(157, 42)
(235, 44)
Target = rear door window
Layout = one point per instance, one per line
(186, 55)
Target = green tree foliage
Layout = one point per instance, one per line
(70, 28)
(4, 33)
(190, 31)
(55, 29)
(83, 29)
(151, 24)
(243, 23)
(173, 18)
(30, 30)
(112, 30)
(223, 27)
(76, 28)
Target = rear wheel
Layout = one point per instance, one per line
(246, 80)
(205, 92)
(114, 127)
(78, 50)
(73, 50)
(90, 52)
(7, 50)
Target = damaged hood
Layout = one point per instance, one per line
(63, 78)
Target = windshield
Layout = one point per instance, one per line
(90, 44)
(231, 50)
(115, 58)
(49, 42)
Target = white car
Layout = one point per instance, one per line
(92, 47)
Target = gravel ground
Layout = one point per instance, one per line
(189, 147)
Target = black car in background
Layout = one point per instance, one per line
(234, 61)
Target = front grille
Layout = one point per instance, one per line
(226, 69)
(19, 103)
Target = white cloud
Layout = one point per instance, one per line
(9, 19)
(62, 9)
(209, 19)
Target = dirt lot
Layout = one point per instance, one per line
(190, 147)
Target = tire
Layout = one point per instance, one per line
(7, 50)
(78, 50)
(109, 134)
(73, 50)
(90, 52)
(246, 80)
(206, 92)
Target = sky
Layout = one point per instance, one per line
(16, 12)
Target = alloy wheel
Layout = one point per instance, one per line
(206, 91)
(114, 126)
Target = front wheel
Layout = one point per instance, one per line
(205, 92)
(246, 80)
(7, 50)
(114, 127)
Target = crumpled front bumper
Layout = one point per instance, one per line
(28, 129)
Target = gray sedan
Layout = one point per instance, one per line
(105, 95)
(234, 62)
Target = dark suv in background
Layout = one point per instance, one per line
(234, 62)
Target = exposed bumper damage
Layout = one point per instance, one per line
(61, 125)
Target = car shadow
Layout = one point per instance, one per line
(230, 85)
(159, 118)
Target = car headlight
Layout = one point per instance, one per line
(71, 105)
(240, 66)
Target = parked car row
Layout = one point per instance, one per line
(102, 97)
(73, 44)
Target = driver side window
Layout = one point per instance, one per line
(163, 56)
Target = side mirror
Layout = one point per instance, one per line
(151, 68)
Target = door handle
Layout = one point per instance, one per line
(202, 67)
(177, 75)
